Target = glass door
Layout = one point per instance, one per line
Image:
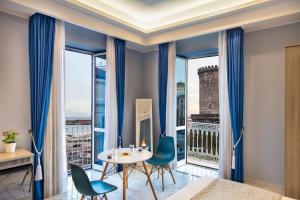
(181, 64)
(202, 147)
(99, 81)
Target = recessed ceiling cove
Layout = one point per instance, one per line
(154, 15)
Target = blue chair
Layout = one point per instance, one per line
(165, 153)
(89, 188)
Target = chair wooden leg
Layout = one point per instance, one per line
(162, 179)
(82, 197)
(170, 170)
(105, 197)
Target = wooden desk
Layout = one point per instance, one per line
(19, 158)
(16, 161)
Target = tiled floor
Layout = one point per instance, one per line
(11, 189)
(197, 170)
(137, 189)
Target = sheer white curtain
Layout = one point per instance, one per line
(55, 162)
(110, 137)
(171, 98)
(225, 127)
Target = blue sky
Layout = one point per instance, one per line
(78, 73)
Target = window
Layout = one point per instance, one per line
(197, 103)
(99, 107)
(78, 103)
(203, 112)
(85, 78)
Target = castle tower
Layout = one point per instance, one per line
(208, 90)
(208, 95)
(180, 104)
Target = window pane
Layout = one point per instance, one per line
(78, 73)
(100, 78)
(98, 146)
(180, 144)
(180, 82)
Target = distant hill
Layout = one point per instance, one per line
(73, 115)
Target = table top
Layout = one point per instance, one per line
(117, 156)
(18, 154)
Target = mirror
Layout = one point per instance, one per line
(144, 128)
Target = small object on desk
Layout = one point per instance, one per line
(109, 156)
(125, 153)
(140, 149)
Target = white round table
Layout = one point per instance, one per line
(125, 156)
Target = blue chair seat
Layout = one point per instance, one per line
(160, 159)
(101, 187)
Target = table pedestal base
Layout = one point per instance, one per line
(125, 176)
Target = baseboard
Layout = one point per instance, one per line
(265, 185)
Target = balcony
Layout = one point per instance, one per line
(79, 143)
(203, 144)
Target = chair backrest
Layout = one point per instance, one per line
(166, 147)
(81, 180)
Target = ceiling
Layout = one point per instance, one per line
(147, 23)
(154, 15)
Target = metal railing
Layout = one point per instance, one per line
(78, 143)
(203, 141)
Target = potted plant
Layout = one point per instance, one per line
(10, 141)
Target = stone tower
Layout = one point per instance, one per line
(180, 104)
(208, 95)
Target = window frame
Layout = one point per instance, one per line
(94, 165)
(179, 128)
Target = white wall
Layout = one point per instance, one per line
(150, 85)
(264, 102)
(14, 78)
(133, 90)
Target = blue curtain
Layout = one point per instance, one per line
(162, 85)
(235, 64)
(41, 43)
(120, 84)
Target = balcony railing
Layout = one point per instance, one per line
(79, 147)
(203, 143)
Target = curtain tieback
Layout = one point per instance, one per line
(234, 146)
(38, 173)
(120, 141)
